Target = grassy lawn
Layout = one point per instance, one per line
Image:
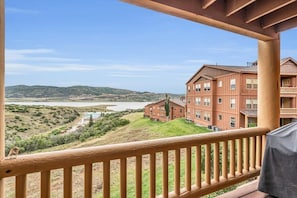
(140, 128)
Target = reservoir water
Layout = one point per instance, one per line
(114, 106)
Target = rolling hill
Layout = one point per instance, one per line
(79, 93)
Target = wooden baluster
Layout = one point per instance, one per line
(153, 175)
(165, 174)
(177, 172)
(239, 156)
(259, 152)
(138, 180)
(106, 179)
(253, 153)
(45, 187)
(246, 154)
(188, 169)
(232, 158)
(225, 160)
(20, 186)
(88, 180)
(68, 182)
(216, 162)
(198, 166)
(207, 164)
(123, 177)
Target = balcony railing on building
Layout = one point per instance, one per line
(288, 90)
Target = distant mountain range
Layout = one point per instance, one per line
(79, 93)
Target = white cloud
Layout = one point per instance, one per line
(40, 60)
(25, 68)
(25, 61)
(11, 10)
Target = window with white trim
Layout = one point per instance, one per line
(206, 102)
(206, 86)
(198, 114)
(232, 84)
(220, 117)
(198, 100)
(251, 103)
(232, 122)
(206, 116)
(220, 100)
(251, 83)
(198, 87)
(232, 103)
(220, 83)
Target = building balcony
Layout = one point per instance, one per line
(288, 112)
(188, 166)
(288, 90)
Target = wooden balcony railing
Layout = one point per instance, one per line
(288, 111)
(288, 90)
(200, 164)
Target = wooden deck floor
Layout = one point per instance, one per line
(248, 190)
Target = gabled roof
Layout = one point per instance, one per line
(285, 60)
(219, 70)
(177, 102)
(235, 69)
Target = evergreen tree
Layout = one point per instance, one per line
(167, 107)
(91, 122)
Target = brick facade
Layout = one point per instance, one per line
(156, 111)
(225, 97)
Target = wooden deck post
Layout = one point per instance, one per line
(2, 88)
(269, 84)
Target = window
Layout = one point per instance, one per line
(220, 117)
(255, 103)
(220, 83)
(251, 83)
(232, 84)
(180, 110)
(198, 87)
(189, 88)
(251, 103)
(198, 114)
(189, 100)
(232, 103)
(248, 103)
(206, 101)
(220, 100)
(232, 122)
(198, 100)
(206, 86)
(206, 116)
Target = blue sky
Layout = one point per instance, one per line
(115, 44)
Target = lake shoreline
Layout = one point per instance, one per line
(113, 106)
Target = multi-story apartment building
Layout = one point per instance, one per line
(156, 111)
(225, 97)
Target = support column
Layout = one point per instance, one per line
(2, 88)
(269, 84)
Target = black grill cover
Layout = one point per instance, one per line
(279, 170)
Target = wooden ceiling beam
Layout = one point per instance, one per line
(236, 5)
(214, 15)
(291, 23)
(207, 3)
(264, 7)
(279, 16)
